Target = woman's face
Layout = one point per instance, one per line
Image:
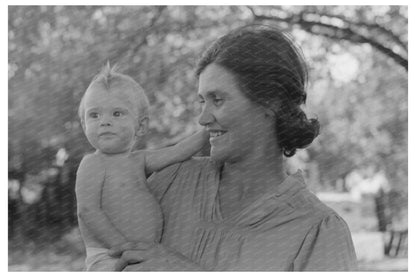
(238, 127)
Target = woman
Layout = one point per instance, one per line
(239, 210)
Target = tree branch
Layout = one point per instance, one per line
(138, 43)
(147, 29)
(371, 26)
(333, 32)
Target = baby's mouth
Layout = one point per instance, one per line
(105, 134)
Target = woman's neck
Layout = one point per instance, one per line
(244, 181)
(251, 173)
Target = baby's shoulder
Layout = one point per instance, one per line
(91, 158)
(91, 162)
(91, 169)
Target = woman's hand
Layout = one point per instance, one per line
(148, 256)
(133, 253)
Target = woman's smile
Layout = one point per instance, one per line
(215, 135)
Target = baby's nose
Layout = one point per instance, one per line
(105, 120)
(105, 124)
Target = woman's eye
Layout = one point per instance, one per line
(117, 114)
(218, 101)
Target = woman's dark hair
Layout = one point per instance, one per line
(272, 72)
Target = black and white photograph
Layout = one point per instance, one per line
(207, 138)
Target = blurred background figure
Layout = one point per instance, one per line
(357, 89)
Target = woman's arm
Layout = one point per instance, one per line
(88, 188)
(156, 160)
(145, 256)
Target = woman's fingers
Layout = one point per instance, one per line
(137, 267)
(128, 257)
(149, 265)
(131, 253)
(116, 251)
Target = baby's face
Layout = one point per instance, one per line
(111, 120)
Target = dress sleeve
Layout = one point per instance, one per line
(159, 182)
(327, 247)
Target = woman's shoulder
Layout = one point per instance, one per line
(326, 232)
(324, 217)
(300, 212)
(306, 203)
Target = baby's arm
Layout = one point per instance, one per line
(159, 159)
(88, 188)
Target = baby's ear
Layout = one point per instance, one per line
(83, 124)
(143, 127)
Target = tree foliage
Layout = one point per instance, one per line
(357, 58)
(369, 25)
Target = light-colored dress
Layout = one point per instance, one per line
(286, 229)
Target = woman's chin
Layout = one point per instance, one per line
(218, 156)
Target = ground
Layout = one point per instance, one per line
(54, 258)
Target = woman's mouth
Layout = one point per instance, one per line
(214, 134)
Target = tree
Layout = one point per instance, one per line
(355, 24)
(54, 52)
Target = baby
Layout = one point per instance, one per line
(114, 203)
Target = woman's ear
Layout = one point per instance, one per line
(269, 112)
(142, 127)
(272, 108)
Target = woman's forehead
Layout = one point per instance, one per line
(217, 79)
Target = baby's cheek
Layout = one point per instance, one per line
(91, 133)
(128, 130)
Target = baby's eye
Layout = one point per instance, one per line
(93, 115)
(117, 113)
(201, 101)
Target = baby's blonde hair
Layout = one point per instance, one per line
(108, 78)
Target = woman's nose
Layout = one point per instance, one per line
(206, 117)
